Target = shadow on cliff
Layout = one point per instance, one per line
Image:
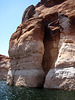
(49, 3)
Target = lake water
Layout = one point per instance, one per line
(21, 93)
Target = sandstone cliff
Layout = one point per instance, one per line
(42, 50)
(4, 66)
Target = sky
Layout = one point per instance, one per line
(11, 12)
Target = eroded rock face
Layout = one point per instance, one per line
(28, 13)
(4, 66)
(51, 41)
(63, 75)
(43, 45)
(61, 78)
(26, 53)
(50, 3)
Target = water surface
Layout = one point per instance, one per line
(21, 93)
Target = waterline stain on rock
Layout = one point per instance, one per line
(42, 45)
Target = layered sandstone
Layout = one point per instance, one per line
(26, 52)
(43, 45)
(4, 66)
(63, 75)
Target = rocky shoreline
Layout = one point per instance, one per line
(42, 50)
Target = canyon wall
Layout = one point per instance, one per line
(42, 50)
(4, 66)
(26, 51)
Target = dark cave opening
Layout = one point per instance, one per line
(51, 41)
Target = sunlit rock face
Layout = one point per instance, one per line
(61, 78)
(42, 48)
(4, 66)
(63, 75)
(26, 52)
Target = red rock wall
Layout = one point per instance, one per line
(41, 44)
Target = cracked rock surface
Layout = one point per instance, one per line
(42, 50)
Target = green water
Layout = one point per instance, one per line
(21, 93)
